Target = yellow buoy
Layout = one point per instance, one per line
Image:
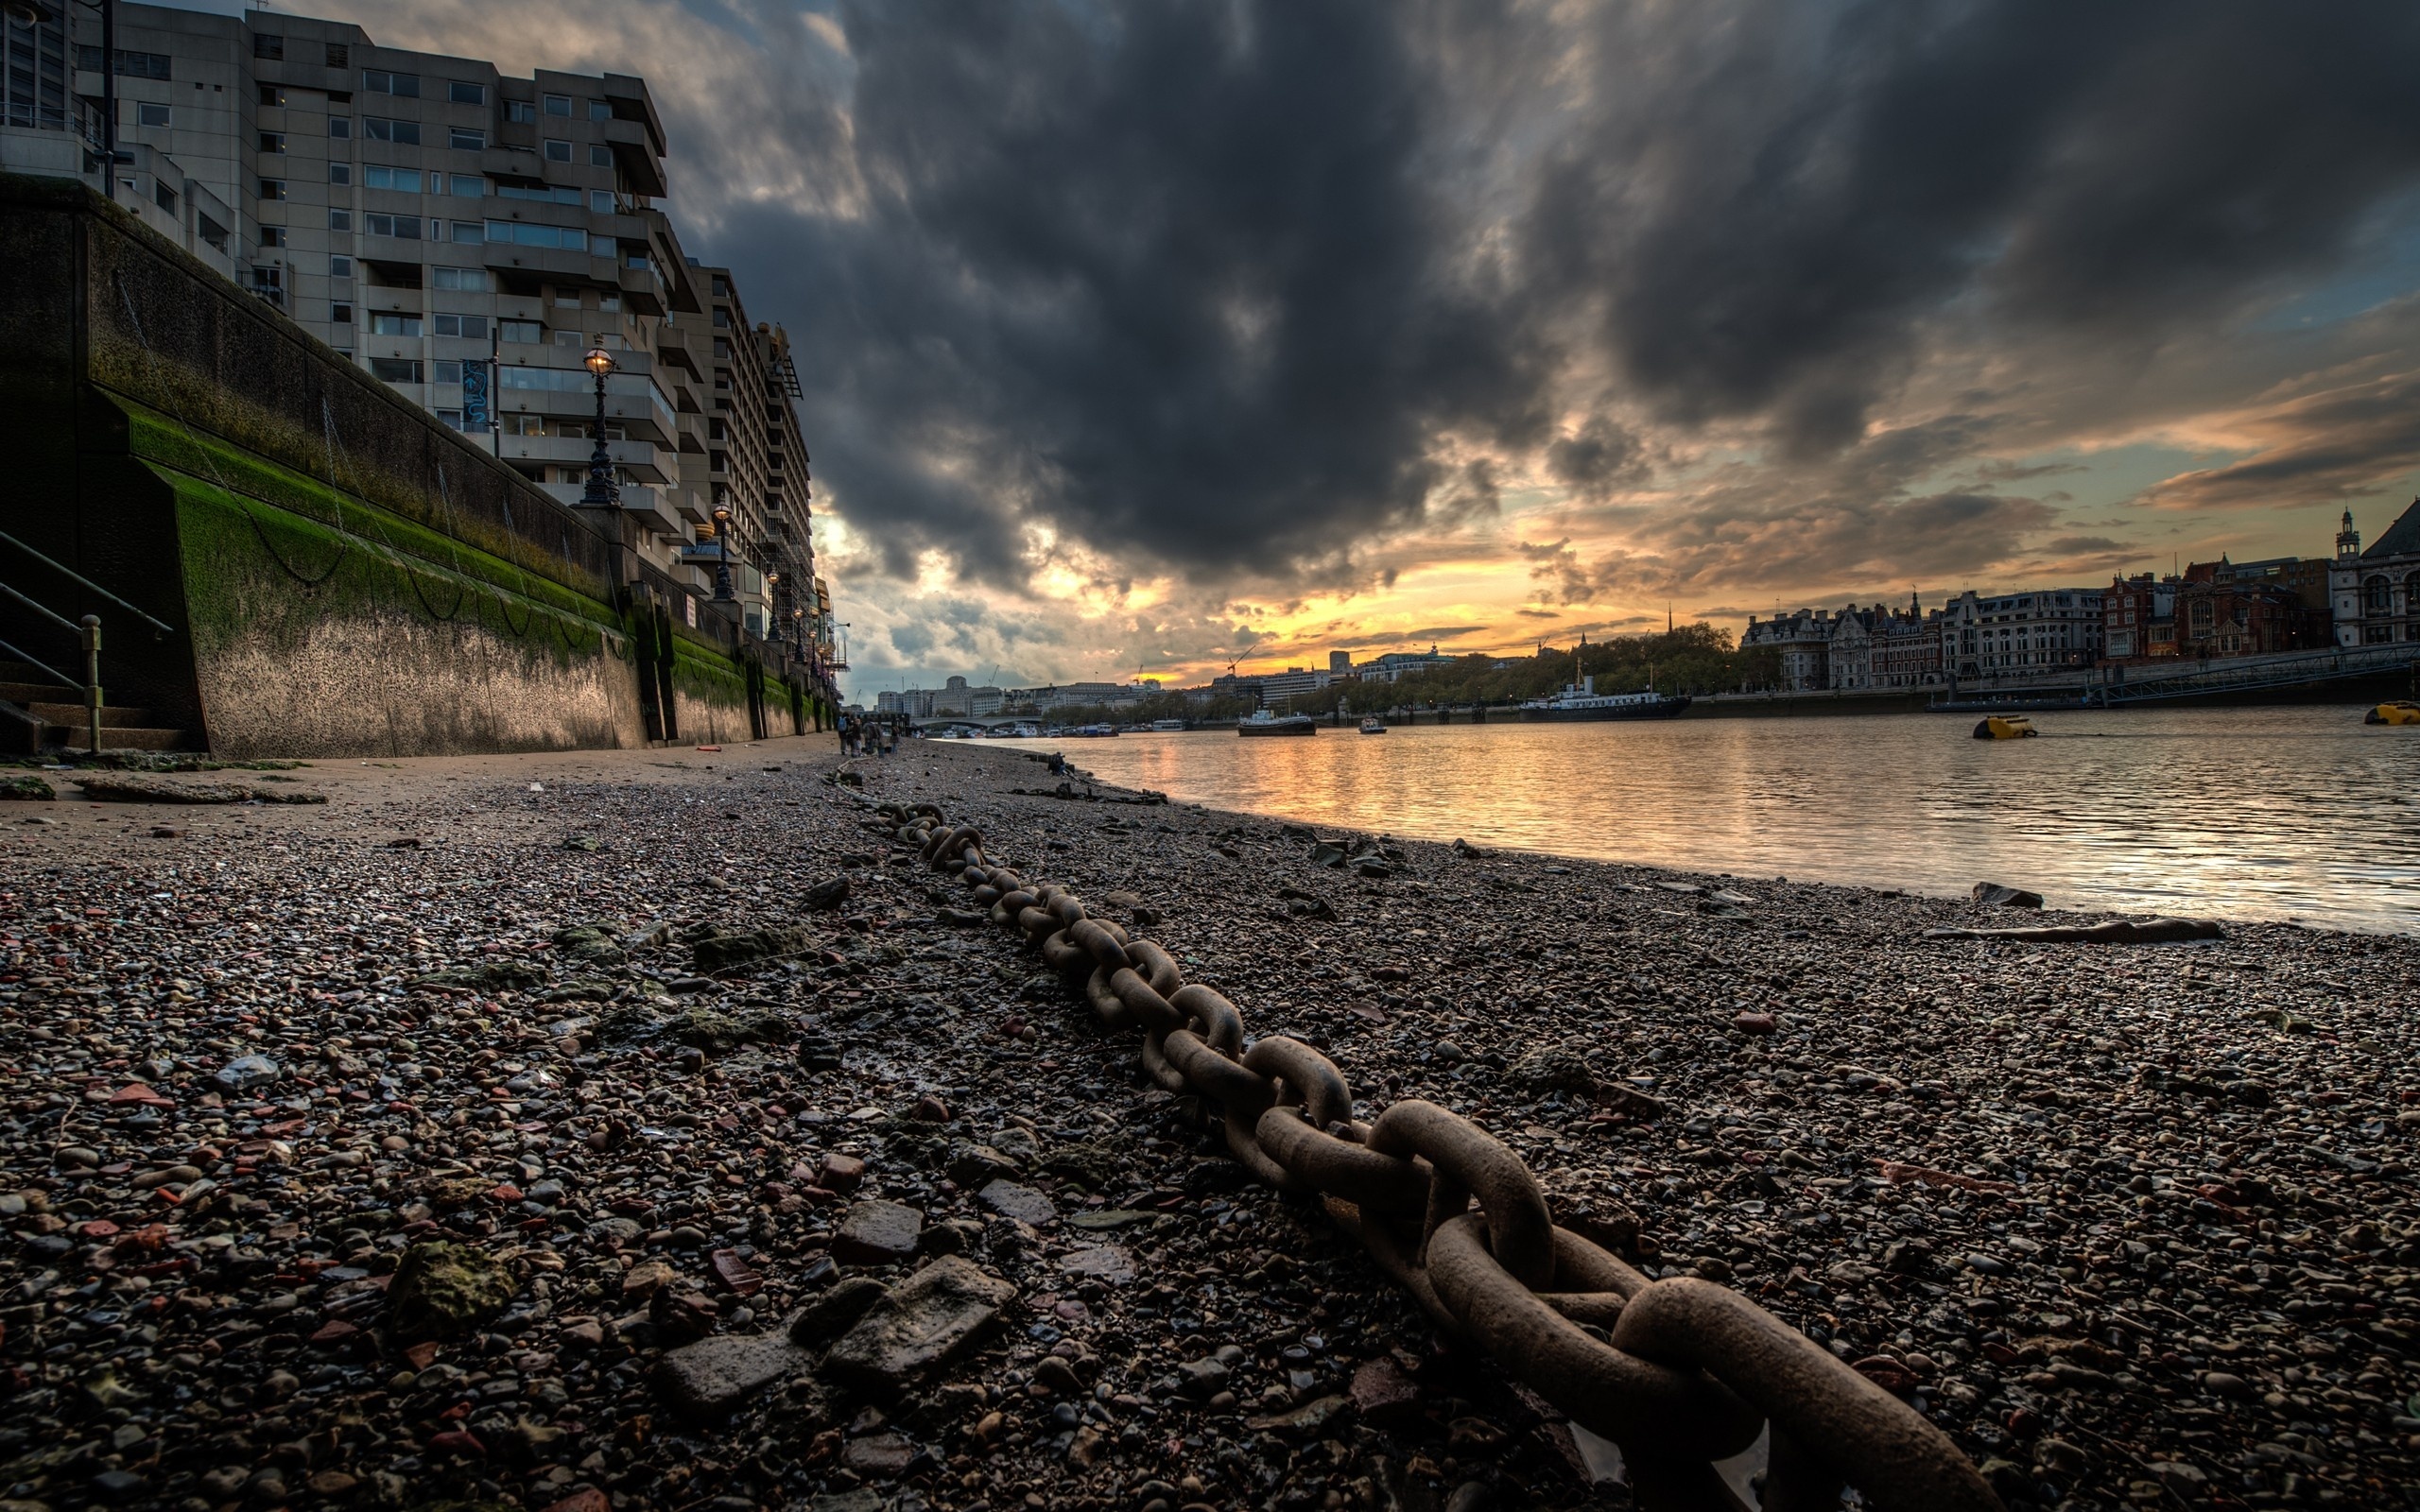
(2005, 727)
(2405, 712)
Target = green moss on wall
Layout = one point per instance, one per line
(254, 571)
(438, 534)
(709, 675)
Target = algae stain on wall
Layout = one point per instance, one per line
(310, 643)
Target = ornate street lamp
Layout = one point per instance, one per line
(603, 493)
(722, 551)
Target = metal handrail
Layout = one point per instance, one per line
(69, 626)
(162, 626)
(40, 664)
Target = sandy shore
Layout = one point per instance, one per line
(2178, 1267)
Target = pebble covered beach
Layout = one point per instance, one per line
(399, 1151)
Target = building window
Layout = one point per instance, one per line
(340, 314)
(722, 320)
(339, 54)
(599, 111)
(272, 48)
(2377, 597)
(403, 228)
(389, 323)
(521, 112)
(465, 139)
(341, 127)
(272, 96)
(272, 188)
(339, 266)
(468, 186)
(557, 104)
(131, 64)
(528, 331)
(273, 237)
(270, 140)
(547, 194)
(378, 176)
(600, 156)
(339, 220)
(402, 86)
(473, 327)
(469, 279)
(525, 235)
(164, 197)
(339, 173)
(469, 232)
(210, 230)
(558, 150)
(395, 369)
(461, 92)
(600, 201)
(379, 129)
(149, 114)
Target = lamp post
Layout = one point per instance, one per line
(722, 551)
(603, 493)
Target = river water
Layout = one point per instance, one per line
(2301, 813)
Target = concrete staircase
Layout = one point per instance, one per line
(39, 714)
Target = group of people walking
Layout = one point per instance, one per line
(861, 736)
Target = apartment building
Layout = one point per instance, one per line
(755, 464)
(420, 212)
(51, 124)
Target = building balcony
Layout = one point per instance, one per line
(637, 457)
(646, 505)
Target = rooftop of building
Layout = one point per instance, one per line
(2401, 538)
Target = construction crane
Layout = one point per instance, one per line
(1245, 652)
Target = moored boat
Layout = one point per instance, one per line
(2005, 727)
(2399, 713)
(1372, 726)
(1580, 700)
(1265, 723)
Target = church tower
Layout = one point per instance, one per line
(2348, 541)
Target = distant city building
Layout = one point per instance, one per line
(1804, 639)
(1277, 688)
(956, 698)
(1339, 663)
(2218, 609)
(1396, 665)
(1864, 649)
(2376, 593)
(2021, 634)
(2138, 618)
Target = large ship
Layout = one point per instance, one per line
(1265, 723)
(1581, 700)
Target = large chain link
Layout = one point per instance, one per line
(1694, 1371)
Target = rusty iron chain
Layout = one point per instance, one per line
(1680, 1373)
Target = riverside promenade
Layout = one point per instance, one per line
(380, 1152)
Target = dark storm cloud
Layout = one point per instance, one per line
(1166, 277)
(1767, 214)
(1241, 288)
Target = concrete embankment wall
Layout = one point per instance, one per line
(344, 574)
